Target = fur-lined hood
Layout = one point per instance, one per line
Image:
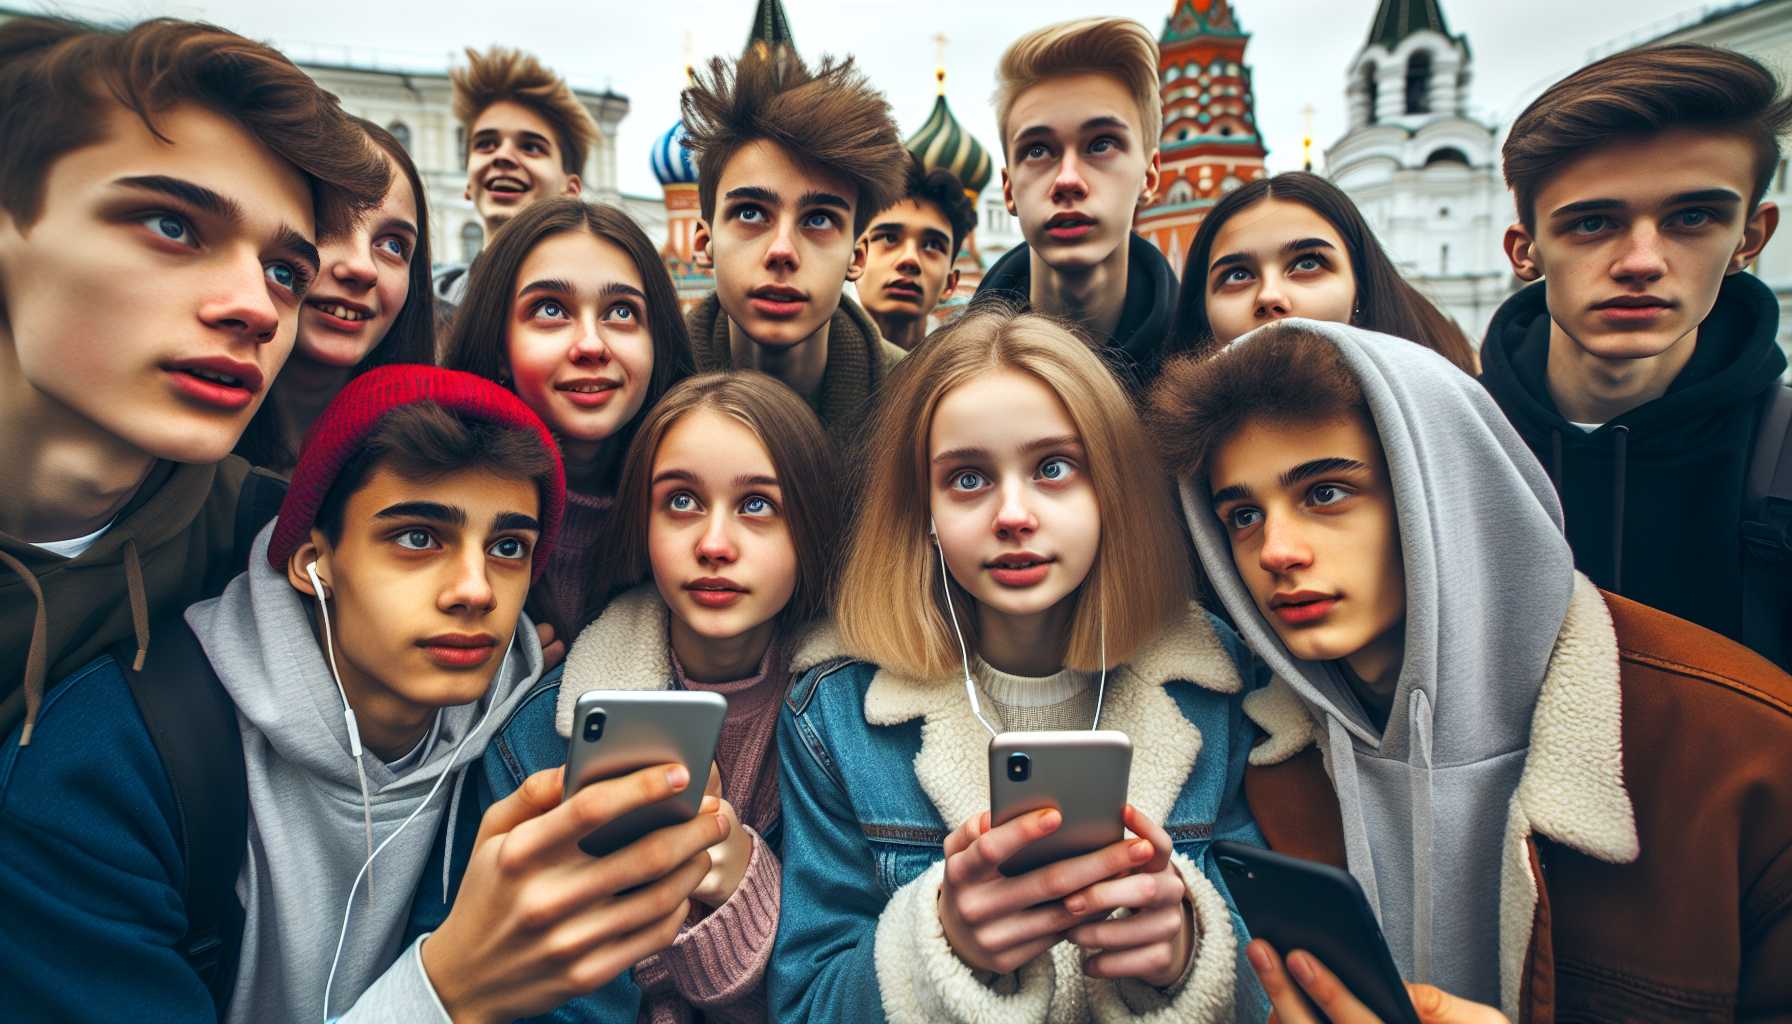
(626, 649)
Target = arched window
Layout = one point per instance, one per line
(401, 132)
(1180, 192)
(1370, 90)
(472, 239)
(1447, 155)
(1418, 83)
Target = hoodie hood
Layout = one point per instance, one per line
(315, 810)
(1138, 343)
(1488, 580)
(1695, 440)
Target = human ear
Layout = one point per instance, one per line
(1755, 235)
(860, 254)
(573, 184)
(315, 549)
(1008, 194)
(700, 245)
(1154, 173)
(951, 284)
(1521, 251)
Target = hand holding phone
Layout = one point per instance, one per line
(1338, 1004)
(615, 732)
(728, 858)
(1154, 940)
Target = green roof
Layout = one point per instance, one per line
(943, 144)
(1397, 19)
(771, 29)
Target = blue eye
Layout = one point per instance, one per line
(621, 312)
(1243, 518)
(172, 227)
(284, 275)
(682, 502)
(750, 215)
(1694, 218)
(1589, 225)
(1103, 145)
(551, 310)
(415, 540)
(1036, 151)
(510, 548)
(757, 505)
(1308, 263)
(966, 480)
(818, 221)
(1056, 468)
(1327, 494)
(391, 244)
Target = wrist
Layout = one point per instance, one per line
(448, 981)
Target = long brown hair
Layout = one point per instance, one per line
(479, 342)
(409, 339)
(891, 605)
(1385, 302)
(801, 456)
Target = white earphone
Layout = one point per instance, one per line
(964, 655)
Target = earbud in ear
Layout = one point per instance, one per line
(317, 585)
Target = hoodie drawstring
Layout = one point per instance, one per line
(139, 600)
(1420, 778)
(37, 653)
(1621, 453)
(453, 816)
(1357, 852)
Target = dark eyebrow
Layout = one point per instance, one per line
(886, 225)
(936, 235)
(1231, 259)
(1587, 206)
(291, 241)
(1706, 195)
(1306, 243)
(622, 288)
(549, 284)
(431, 511)
(817, 198)
(1058, 441)
(1107, 121)
(682, 475)
(1320, 467)
(197, 196)
(754, 193)
(756, 480)
(533, 136)
(505, 521)
(1235, 492)
(956, 454)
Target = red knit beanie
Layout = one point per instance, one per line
(339, 433)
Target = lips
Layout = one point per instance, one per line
(218, 382)
(505, 185)
(589, 392)
(1302, 607)
(904, 289)
(459, 650)
(715, 591)
(1019, 569)
(1069, 226)
(777, 302)
(1639, 309)
(340, 313)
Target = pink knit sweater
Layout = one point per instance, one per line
(717, 963)
(558, 598)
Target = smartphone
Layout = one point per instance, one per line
(1299, 904)
(615, 732)
(1082, 774)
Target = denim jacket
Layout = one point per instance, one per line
(877, 769)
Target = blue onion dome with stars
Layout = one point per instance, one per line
(672, 163)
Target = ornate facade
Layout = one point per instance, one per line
(1210, 143)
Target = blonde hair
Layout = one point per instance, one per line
(1119, 47)
(500, 74)
(891, 608)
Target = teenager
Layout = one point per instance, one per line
(1295, 245)
(1558, 801)
(389, 591)
(911, 253)
(726, 523)
(162, 188)
(1639, 364)
(1079, 110)
(1007, 572)
(573, 310)
(370, 306)
(526, 140)
(791, 166)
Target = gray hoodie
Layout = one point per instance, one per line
(1488, 577)
(307, 837)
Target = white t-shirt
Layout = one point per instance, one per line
(75, 547)
(1588, 427)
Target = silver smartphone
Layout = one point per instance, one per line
(1082, 774)
(615, 732)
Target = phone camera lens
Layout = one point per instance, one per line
(594, 727)
(1020, 767)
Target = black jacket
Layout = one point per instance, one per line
(1653, 499)
(1137, 348)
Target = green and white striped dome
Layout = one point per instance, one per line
(943, 144)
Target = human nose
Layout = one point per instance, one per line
(1642, 258)
(781, 253)
(469, 586)
(590, 345)
(1015, 519)
(242, 305)
(1284, 549)
(716, 546)
(909, 262)
(1069, 183)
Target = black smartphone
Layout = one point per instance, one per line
(1298, 904)
(615, 732)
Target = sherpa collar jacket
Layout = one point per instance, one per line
(878, 768)
(1647, 864)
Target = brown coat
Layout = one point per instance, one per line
(1655, 806)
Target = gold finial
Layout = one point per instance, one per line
(1306, 142)
(690, 59)
(939, 71)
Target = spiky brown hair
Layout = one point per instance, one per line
(829, 118)
(501, 74)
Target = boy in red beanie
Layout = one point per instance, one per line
(363, 661)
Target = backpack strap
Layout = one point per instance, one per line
(193, 724)
(1767, 533)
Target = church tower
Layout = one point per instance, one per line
(1424, 171)
(1210, 143)
(942, 144)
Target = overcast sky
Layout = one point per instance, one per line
(1299, 49)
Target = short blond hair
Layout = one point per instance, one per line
(1120, 47)
(501, 74)
(891, 606)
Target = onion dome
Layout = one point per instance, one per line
(672, 163)
(771, 30)
(942, 144)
